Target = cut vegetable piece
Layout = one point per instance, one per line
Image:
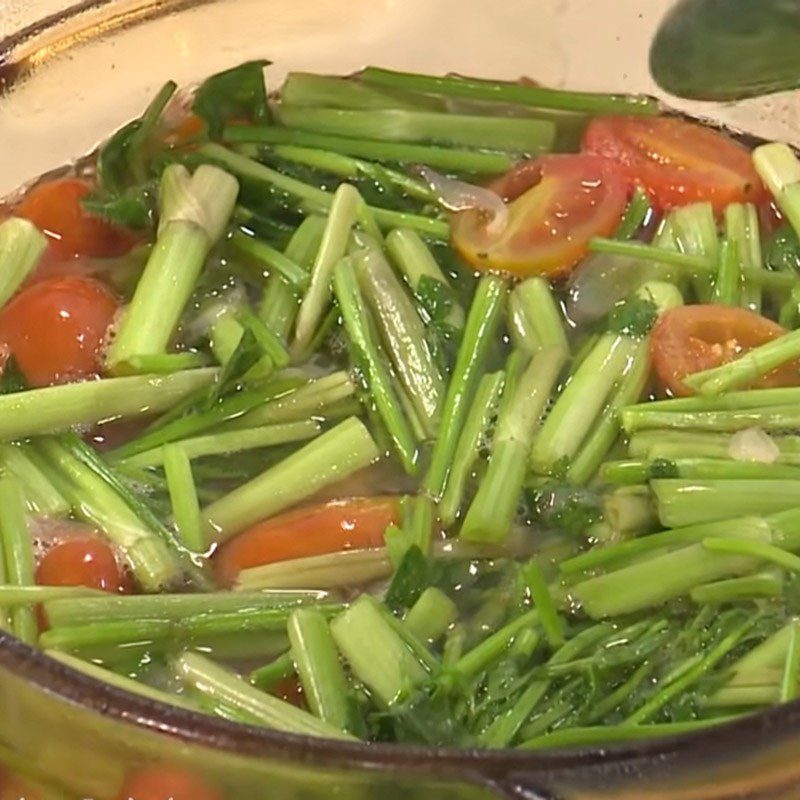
(21, 246)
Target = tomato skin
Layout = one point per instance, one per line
(55, 208)
(556, 204)
(356, 523)
(689, 339)
(55, 328)
(86, 561)
(166, 783)
(676, 161)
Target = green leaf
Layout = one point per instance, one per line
(410, 580)
(12, 380)
(783, 250)
(635, 316)
(235, 94)
(570, 509)
(134, 207)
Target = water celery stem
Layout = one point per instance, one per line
(693, 265)
(373, 363)
(510, 92)
(431, 616)
(317, 661)
(183, 498)
(55, 408)
(342, 218)
(551, 622)
(376, 653)
(589, 457)
(528, 388)
(689, 502)
(767, 552)
(742, 228)
(403, 335)
(534, 318)
(22, 244)
(743, 399)
(469, 445)
(769, 418)
(447, 158)
(280, 299)
(791, 666)
(277, 262)
(779, 168)
(18, 556)
(744, 370)
(41, 496)
(194, 212)
(479, 334)
(510, 134)
(95, 501)
(330, 457)
(310, 196)
(234, 441)
(582, 400)
(633, 471)
(276, 670)
(639, 209)
(221, 685)
(727, 285)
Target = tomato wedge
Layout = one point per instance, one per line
(556, 204)
(87, 561)
(166, 783)
(55, 328)
(689, 339)
(55, 208)
(352, 524)
(676, 161)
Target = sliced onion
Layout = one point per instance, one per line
(753, 444)
(460, 196)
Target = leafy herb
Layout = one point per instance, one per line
(235, 94)
(783, 250)
(414, 574)
(635, 316)
(570, 509)
(12, 380)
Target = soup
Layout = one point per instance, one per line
(410, 409)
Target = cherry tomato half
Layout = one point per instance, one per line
(55, 208)
(353, 524)
(166, 783)
(676, 161)
(55, 328)
(556, 204)
(689, 339)
(87, 561)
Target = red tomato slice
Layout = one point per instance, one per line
(556, 205)
(166, 783)
(353, 524)
(55, 208)
(88, 561)
(676, 161)
(690, 339)
(55, 329)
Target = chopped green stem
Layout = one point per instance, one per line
(747, 368)
(511, 92)
(614, 700)
(762, 550)
(54, 408)
(183, 498)
(479, 333)
(600, 439)
(470, 441)
(727, 289)
(690, 502)
(730, 401)
(330, 457)
(779, 168)
(18, 553)
(376, 653)
(630, 511)
(23, 595)
(638, 471)
(770, 418)
(41, 496)
(403, 335)
(525, 398)
(194, 211)
(765, 584)
(278, 262)
(742, 228)
(431, 616)
(791, 666)
(511, 134)
(321, 675)
(164, 363)
(542, 599)
(638, 210)
(84, 610)
(21, 246)
(372, 362)
(279, 302)
(342, 217)
(534, 318)
(582, 400)
(447, 158)
(234, 441)
(267, 676)
(219, 684)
